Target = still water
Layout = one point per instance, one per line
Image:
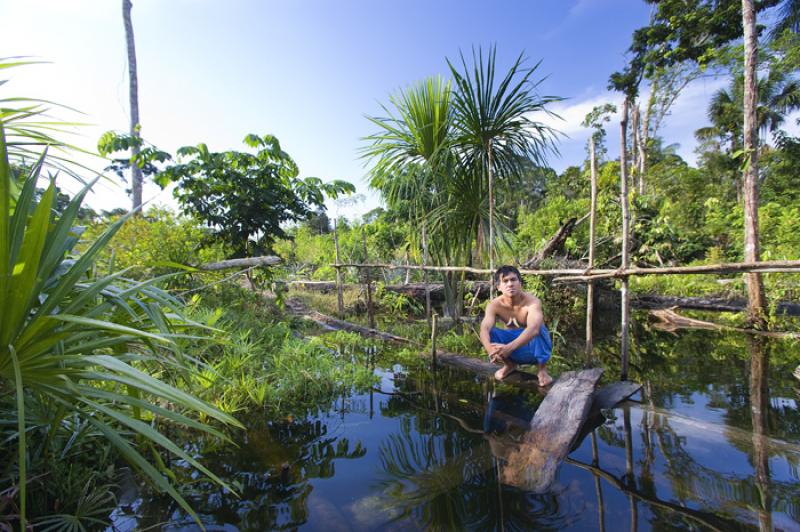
(712, 442)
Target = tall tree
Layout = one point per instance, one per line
(755, 287)
(136, 173)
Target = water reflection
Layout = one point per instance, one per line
(711, 444)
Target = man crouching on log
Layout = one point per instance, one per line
(516, 344)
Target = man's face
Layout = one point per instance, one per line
(509, 284)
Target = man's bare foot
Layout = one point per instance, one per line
(544, 378)
(505, 371)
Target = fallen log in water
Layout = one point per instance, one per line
(553, 430)
(347, 326)
(670, 321)
(716, 304)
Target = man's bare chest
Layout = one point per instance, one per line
(513, 317)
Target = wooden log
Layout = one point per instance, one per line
(248, 262)
(717, 304)
(554, 244)
(671, 321)
(352, 327)
(553, 430)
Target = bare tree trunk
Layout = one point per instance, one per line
(339, 294)
(592, 230)
(635, 143)
(755, 287)
(136, 172)
(425, 272)
(623, 185)
(491, 213)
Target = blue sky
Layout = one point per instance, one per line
(308, 71)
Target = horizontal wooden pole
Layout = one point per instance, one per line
(465, 269)
(582, 275)
(773, 266)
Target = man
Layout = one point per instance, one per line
(525, 339)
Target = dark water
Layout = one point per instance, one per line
(711, 442)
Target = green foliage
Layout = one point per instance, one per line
(259, 361)
(147, 159)
(155, 244)
(85, 346)
(243, 196)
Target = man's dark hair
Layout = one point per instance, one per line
(505, 270)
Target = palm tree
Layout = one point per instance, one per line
(412, 151)
(493, 125)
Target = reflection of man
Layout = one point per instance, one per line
(517, 343)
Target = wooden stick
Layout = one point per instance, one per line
(581, 275)
(370, 314)
(433, 337)
(339, 293)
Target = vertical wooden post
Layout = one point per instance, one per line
(424, 271)
(592, 231)
(370, 314)
(434, 322)
(339, 294)
(623, 196)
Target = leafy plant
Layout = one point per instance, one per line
(242, 195)
(90, 346)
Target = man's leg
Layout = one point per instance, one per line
(543, 376)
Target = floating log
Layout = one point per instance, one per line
(553, 430)
(248, 262)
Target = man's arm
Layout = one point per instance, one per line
(532, 325)
(489, 320)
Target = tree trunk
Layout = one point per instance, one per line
(635, 143)
(425, 272)
(623, 185)
(755, 287)
(136, 172)
(592, 230)
(491, 210)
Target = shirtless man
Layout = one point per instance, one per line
(525, 339)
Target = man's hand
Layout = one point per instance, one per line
(499, 352)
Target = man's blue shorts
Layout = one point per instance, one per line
(537, 351)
